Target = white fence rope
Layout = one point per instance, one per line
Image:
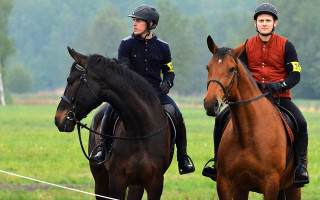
(57, 185)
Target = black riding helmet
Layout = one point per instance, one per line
(266, 8)
(146, 13)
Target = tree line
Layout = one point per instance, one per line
(41, 30)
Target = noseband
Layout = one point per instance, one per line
(230, 86)
(71, 115)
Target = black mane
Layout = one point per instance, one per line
(105, 67)
(222, 52)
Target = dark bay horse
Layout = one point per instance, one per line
(254, 147)
(138, 161)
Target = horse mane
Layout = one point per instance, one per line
(106, 67)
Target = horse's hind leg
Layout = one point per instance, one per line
(293, 193)
(135, 192)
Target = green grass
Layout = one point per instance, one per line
(32, 146)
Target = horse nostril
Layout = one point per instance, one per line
(216, 103)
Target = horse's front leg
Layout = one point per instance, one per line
(155, 187)
(117, 187)
(135, 192)
(271, 188)
(101, 179)
(223, 188)
(293, 193)
(241, 195)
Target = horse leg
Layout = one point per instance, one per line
(241, 195)
(154, 188)
(117, 187)
(135, 192)
(224, 188)
(281, 195)
(271, 189)
(101, 178)
(293, 193)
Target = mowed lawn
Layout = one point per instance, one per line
(31, 146)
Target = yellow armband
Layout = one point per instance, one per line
(169, 65)
(296, 66)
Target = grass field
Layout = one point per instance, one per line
(31, 146)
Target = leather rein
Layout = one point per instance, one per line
(71, 116)
(230, 86)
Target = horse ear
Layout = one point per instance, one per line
(238, 50)
(77, 57)
(211, 45)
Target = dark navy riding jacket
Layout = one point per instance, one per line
(148, 58)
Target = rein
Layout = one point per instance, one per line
(81, 125)
(71, 116)
(230, 86)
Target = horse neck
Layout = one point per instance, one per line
(243, 115)
(136, 113)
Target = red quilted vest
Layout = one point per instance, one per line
(266, 60)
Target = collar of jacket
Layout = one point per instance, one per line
(154, 37)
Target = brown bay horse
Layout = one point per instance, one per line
(141, 153)
(254, 147)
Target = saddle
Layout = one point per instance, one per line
(114, 121)
(288, 121)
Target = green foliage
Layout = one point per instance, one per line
(18, 79)
(6, 44)
(43, 29)
(105, 33)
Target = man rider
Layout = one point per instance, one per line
(272, 60)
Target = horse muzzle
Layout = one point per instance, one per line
(65, 122)
(213, 107)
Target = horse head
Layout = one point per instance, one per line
(222, 76)
(80, 95)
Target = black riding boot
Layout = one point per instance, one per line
(301, 175)
(105, 129)
(181, 142)
(208, 171)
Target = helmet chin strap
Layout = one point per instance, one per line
(147, 34)
(265, 34)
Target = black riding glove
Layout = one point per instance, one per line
(165, 86)
(275, 87)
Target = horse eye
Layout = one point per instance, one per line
(207, 68)
(232, 69)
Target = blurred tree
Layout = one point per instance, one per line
(105, 33)
(18, 79)
(177, 29)
(6, 44)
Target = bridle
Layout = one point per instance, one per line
(230, 86)
(71, 115)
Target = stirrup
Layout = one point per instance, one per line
(187, 171)
(96, 161)
(209, 175)
(300, 183)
